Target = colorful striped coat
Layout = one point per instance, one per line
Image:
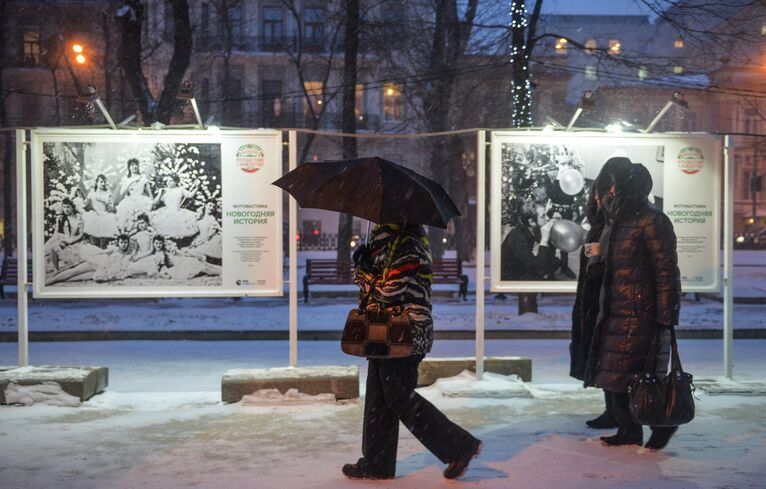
(397, 274)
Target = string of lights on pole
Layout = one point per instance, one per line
(520, 92)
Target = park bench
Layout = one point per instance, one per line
(9, 273)
(325, 271)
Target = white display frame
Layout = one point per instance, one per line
(545, 137)
(40, 135)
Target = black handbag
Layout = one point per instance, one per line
(662, 401)
(377, 334)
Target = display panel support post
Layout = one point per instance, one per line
(292, 234)
(193, 102)
(105, 112)
(21, 246)
(481, 151)
(728, 258)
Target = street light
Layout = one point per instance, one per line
(79, 54)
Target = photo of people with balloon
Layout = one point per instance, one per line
(544, 190)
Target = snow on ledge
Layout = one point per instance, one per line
(270, 397)
(49, 393)
(290, 373)
(491, 386)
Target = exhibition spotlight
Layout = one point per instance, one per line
(551, 124)
(618, 126)
(586, 101)
(676, 99)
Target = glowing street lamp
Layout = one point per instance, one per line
(79, 51)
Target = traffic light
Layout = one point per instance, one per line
(79, 54)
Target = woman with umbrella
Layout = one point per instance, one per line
(394, 273)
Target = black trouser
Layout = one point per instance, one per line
(391, 397)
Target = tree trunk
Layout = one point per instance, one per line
(228, 46)
(8, 172)
(179, 63)
(130, 57)
(129, 21)
(522, 43)
(348, 124)
(106, 32)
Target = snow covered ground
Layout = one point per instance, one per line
(161, 425)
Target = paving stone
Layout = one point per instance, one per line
(431, 369)
(343, 382)
(81, 382)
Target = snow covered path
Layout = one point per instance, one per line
(181, 440)
(161, 425)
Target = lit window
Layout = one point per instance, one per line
(679, 43)
(643, 73)
(32, 47)
(678, 69)
(561, 46)
(392, 102)
(763, 29)
(314, 91)
(591, 45)
(614, 46)
(590, 72)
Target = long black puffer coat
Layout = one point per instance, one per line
(639, 300)
(584, 314)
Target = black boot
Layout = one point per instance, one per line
(626, 435)
(457, 468)
(360, 470)
(603, 422)
(660, 437)
(607, 419)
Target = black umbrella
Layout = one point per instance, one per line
(371, 188)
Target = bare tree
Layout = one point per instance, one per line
(130, 16)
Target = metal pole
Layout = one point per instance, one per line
(196, 113)
(105, 113)
(659, 116)
(292, 234)
(481, 149)
(574, 119)
(728, 259)
(21, 245)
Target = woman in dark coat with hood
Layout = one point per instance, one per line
(640, 296)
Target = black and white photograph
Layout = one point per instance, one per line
(544, 190)
(144, 214)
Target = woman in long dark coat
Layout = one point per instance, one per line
(640, 295)
(394, 272)
(585, 310)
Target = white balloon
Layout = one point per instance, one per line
(571, 181)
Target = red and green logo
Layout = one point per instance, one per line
(250, 158)
(690, 160)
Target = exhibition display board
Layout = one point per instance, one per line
(539, 188)
(146, 213)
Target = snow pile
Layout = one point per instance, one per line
(49, 393)
(491, 386)
(292, 396)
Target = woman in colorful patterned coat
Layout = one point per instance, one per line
(394, 273)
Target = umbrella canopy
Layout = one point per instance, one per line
(371, 188)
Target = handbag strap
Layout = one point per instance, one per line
(675, 363)
(650, 366)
